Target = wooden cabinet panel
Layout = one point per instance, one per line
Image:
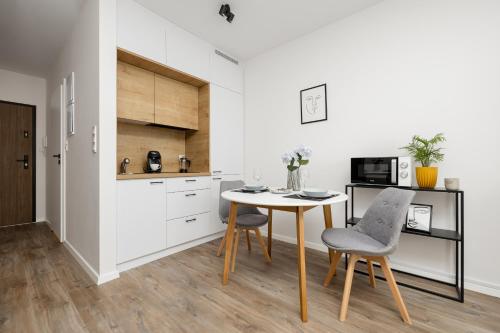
(141, 218)
(140, 31)
(135, 95)
(187, 53)
(180, 204)
(176, 103)
(225, 73)
(187, 229)
(226, 131)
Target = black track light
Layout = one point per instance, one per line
(225, 10)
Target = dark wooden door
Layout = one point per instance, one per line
(16, 163)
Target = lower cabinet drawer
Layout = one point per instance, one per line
(180, 204)
(188, 228)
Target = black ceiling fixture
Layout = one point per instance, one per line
(225, 10)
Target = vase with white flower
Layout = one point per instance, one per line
(293, 161)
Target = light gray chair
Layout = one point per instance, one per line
(248, 218)
(373, 238)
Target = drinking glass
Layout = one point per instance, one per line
(257, 175)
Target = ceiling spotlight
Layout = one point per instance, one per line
(225, 10)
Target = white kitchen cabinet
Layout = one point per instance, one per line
(187, 184)
(140, 31)
(215, 223)
(189, 228)
(225, 73)
(187, 53)
(141, 218)
(181, 204)
(226, 131)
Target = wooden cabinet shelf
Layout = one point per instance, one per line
(151, 93)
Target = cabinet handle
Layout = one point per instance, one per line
(190, 180)
(190, 220)
(218, 171)
(190, 195)
(217, 178)
(154, 183)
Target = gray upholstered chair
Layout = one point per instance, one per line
(248, 219)
(373, 238)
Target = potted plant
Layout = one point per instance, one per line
(426, 151)
(293, 161)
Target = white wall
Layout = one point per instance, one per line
(107, 140)
(87, 202)
(26, 89)
(396, 69)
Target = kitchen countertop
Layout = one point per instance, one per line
(161, 175)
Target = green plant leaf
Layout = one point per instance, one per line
(424, 150)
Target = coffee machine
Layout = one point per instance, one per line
(153, 162)
(184, 164)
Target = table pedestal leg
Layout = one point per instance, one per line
(229, 240)
(301, 258)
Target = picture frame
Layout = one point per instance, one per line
(419, 218)
(313, 104)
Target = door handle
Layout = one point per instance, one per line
(25, 161)
(190, 195)
(58, 158)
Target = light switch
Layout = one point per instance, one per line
(94, 139)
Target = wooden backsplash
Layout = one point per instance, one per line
(135, 141)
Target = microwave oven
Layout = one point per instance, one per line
(392, 171)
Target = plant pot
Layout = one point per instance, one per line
(294, 180)
(427, 176)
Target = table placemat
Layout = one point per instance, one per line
(248, 191)
(296, 196)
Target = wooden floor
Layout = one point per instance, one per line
(42, 289)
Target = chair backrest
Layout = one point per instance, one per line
(225, 205)
(385, 217)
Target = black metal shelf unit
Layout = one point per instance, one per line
(456, 236)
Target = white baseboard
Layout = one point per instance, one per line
(106, 277)
(85, 265)
(470, 284)
(158, 255)
(98, 279)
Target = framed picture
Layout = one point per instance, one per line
(419, 218)
(313, 106)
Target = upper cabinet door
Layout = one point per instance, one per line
(187, 53)
(135, 93)
(140, 31)
(226, 131)
(176, 103)
(225, 72)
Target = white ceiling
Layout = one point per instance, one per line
(259, 25)
(33, 31)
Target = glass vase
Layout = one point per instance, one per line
(294, 180)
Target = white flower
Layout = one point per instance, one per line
(286, 158)
(304, 151)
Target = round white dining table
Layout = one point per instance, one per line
(271, 201)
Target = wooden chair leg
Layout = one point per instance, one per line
(262, 244)
(249, 245)
(353, 258)
(269, 231)
(221, 246)
(371, 273)
(235, 251)
(395, 290)
(333, 268)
